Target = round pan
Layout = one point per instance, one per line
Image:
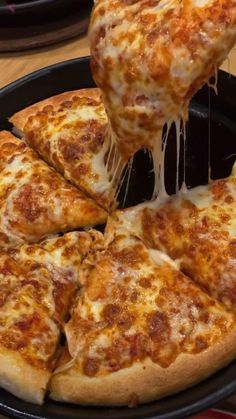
(39, 6)
(75, 74)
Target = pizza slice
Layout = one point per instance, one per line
(35, 201)
(139, 330)
(37, 283)
(150, 57)
(68, 131)
(197, 229)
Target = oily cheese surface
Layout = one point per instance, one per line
(68, 131)
(139, 311)
(35, 201)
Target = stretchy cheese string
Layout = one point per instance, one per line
(149, 58)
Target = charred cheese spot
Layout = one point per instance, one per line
(90, 367)
(158, 327)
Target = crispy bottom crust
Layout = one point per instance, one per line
(144, 381)
(20, 118)
(22, 379)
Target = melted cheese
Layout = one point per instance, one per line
(138, 305)
(37, 284)
(72, 139)
(149, 58)
(196, 228)
(35, 201)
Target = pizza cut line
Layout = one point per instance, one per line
(197, 229)
(139, 329)
(148, 309)
(128, 318)
(37, 284)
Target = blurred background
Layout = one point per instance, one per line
(37, 33)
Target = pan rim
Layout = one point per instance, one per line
(196, 406)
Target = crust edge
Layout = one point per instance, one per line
(147, 381)
(20, 118)
(22, 379)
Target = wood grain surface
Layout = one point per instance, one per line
(16, 65)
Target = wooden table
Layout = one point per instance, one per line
(16, 65)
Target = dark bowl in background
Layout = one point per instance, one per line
(37, 23)
(210, 116)
(40, 8)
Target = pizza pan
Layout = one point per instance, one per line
(212, 120)
(10, 8)
(37, 23)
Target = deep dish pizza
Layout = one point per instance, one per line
(148, 308)
(129, 310)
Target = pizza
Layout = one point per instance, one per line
(68, 131)
(139, 330)
(147, 309)
(149, 57)
(37, 282)
(35, 201)
(197, 229)
(131, 311)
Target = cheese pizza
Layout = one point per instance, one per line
(148, 309)
(35, 201)
(68, 131)
(197, 229)
(139, 330)
(149, 57)
(37, 283)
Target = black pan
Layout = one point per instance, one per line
(216, 121)
(36, 23)
(31, 8)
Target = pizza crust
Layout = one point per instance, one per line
(143, 382)
(22, 379)
(20, 118)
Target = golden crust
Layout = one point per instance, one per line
(20, 118)
(143, 382)
(6, 135)
(22, 379)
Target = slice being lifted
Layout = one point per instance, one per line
(68, 131)
(37, 283)
(197, 229)
(150, 57)
(35, 201)
(139, 330)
